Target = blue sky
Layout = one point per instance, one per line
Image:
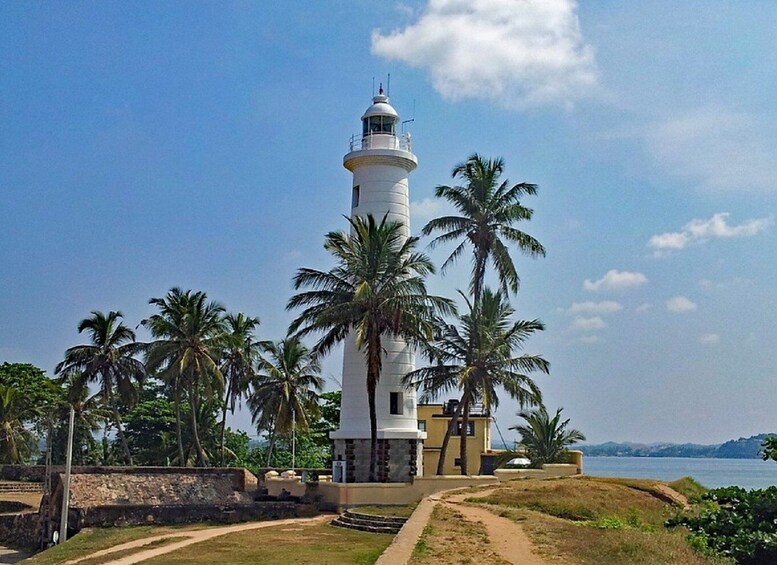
(200, 145)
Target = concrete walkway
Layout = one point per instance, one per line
(9, 556)
(192, 536)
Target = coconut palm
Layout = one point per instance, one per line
(488, 212)
(89, 413)
(545, 439)
(376, 290)
(109, 360)
(189, 335)
(16, 441)
(478, 358)
(285, 390)
(237, 365)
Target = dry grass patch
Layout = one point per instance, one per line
(398, 511)
(583, 499)
(90, 540)
(449, 538)
(291, 544)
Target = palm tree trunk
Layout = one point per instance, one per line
(195, 432)
(122, 437)
(178, 434)
(224, 420)
(373, 375)
(272, 435)
(464, 436)
(448, 433)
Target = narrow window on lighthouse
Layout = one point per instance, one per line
(355, 197)
(395, 403)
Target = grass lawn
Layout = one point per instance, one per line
(398, 511)
(90, 540)
(593, 521)
(297, 544)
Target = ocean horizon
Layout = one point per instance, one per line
(710, 472)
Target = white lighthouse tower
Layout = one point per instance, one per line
(380, 160)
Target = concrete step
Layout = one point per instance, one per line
(338, 522)
(359, 521)
(397, 520)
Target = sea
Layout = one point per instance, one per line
(712, 473)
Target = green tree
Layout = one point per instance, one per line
(89, 414)
(150, 426)
(285, 390)
(189, 334)
(376, 290)
(237, 365)
(109, 360)
(769, 449)
(546, 439)
(16, 441)
(478, 358)
(489, 210)
(33, 384)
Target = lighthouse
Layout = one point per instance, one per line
(380, 159)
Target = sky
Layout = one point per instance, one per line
(200, 145)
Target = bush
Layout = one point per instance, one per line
(742, 525)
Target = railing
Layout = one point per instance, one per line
(372, 140)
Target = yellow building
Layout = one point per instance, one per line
(434, 419)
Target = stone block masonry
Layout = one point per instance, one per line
(397, 459)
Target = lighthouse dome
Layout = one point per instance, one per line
(381, 107)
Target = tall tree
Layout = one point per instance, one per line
(89, 414)
(478, 358)
(376, 289)
(285, 390)
(241, 352)
(489, 210)
(110, 360)
(189, 335)
(16, 441)
(544, 438)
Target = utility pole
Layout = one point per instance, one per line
(66, 486)
(293, 438)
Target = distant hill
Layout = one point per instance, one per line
(742, 448)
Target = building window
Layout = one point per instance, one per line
(457, 462)
(355, 196)
(395, 403)
(470, 428)
(422, 425)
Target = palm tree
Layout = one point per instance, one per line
(109, 360)
(237, 364)
(285, 392)
(477, 359)
(89, 412)
(189, 332)
(376, 290)
(544, 438)
(488, 211)
(16, 441)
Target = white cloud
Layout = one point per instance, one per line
(721, 150)
(680, 305)
(615, 280)
(604, 307)
(588, 339)
(643, 308)
(515, 52)
(421, 211)
(710, 339)
(701, 231)
(588, 324)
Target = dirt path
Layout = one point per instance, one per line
(9, 556)
(508, 538)
(192, 536)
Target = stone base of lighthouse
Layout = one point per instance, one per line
(399, 460)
